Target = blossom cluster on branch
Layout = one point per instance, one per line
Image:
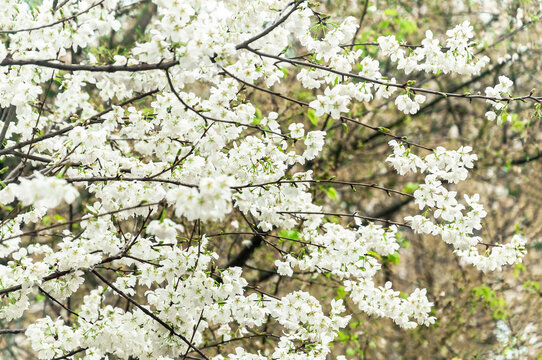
(158, 141)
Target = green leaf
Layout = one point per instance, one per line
(384, 24)
(59, 217)
(290, 234)
(390, 12)
(374, 254)
(393, 258)
(410, 188)
(408, 26)
(312, 117)
(518, 269)
(332, 193)
(343, 337)
(341, 294)
(532, 285)
(163, 215)
(284, 71)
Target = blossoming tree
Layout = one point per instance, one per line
(152, 184)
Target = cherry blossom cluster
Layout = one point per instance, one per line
(458, 222)
(39, 191)
(499, 91)
(457, 58)
(384, 301)
(21, 88)
(523, 345)
(347, 254)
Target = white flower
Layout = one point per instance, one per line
(283, 268)
(296, 130)
(390, 47)
(420, 99)
(405, 104)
